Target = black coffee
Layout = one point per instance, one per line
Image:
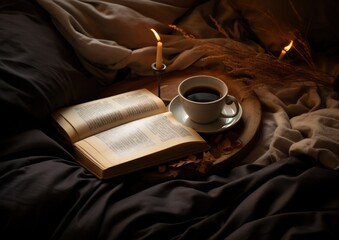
(202, 94)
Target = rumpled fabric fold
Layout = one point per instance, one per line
(299, 119)
(111, 35)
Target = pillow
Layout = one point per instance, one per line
(274, 22)
(39, 71)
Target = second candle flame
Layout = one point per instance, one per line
(288, 47)
(285, 50)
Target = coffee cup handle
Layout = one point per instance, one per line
(229, 100)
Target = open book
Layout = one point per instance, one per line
(126, 132)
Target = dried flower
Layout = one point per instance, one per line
(249, 62)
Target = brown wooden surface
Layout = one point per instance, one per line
(246, 129)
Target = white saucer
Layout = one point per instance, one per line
(218, 125)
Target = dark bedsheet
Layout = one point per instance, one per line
(45, 194)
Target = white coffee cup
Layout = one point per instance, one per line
(204, 97)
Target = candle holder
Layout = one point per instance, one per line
(158, 73)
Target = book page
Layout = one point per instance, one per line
(86, 119)
(140, 138)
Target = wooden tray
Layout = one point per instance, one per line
(241, 136)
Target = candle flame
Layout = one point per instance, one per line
(288, 47)
(156, 34)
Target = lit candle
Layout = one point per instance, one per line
(285, 50)
(158, 61)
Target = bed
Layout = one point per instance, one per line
(59, 53)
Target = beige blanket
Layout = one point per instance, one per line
(299, 119)
(110, 35)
